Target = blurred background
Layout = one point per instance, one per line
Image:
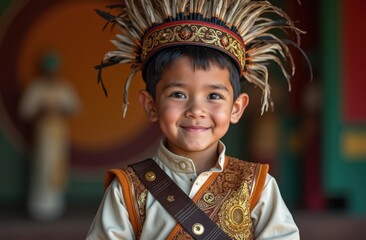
(59, 133)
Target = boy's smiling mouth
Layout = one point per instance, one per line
(194, 128)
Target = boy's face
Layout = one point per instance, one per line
(194, 108)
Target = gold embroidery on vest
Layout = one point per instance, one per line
(140, 194)
(234, 214)
(231, 186)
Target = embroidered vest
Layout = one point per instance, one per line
(226, 197)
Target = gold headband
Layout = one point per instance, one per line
(194, 33)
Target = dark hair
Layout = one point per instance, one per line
(202, 58)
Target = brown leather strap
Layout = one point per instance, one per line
(176, 202)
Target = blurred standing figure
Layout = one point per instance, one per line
(48, 102)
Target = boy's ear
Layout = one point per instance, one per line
(238, 107)
(148, 104)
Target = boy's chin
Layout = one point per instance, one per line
(191, 147)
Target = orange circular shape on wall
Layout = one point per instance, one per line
(99, 133)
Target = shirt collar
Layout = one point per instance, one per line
(185, 165)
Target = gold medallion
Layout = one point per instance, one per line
(234, 214)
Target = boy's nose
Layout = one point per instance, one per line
(196, 109)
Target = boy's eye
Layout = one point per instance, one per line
(178, 95)
(214, 96)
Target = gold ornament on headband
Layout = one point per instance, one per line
(242, 29)
(194, 33)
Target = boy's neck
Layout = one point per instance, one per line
(203, 160)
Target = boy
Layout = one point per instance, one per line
(192, 69)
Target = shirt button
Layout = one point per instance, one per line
(182, 165)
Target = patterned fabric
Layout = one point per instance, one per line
(225, 201)
(140, 193)
(194, 33)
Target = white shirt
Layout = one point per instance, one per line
(271, 218)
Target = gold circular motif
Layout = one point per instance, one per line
(170, 198)
(237, 215)
(208, 198)
(198, 229)
(150, 176)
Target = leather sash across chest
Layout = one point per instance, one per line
(176, 202)
(227, 197)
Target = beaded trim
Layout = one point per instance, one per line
(193, 33)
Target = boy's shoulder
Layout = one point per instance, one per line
(125, 175)
(233, 162)
(253, 173)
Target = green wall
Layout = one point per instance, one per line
(12, 177)
(343, 177)
(13, 174)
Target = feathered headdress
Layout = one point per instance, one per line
(239, 28)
